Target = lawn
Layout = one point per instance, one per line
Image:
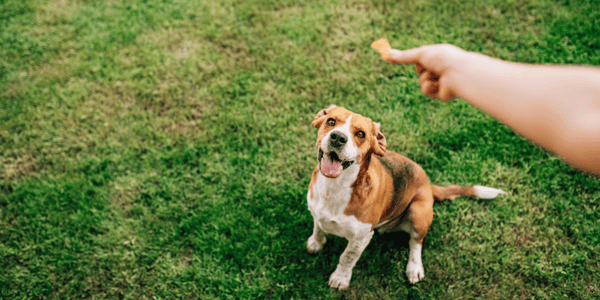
(163, 149)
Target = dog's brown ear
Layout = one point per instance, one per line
(321, 116)
(381, 145)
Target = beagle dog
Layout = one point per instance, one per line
(359, 186)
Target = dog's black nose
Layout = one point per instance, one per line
(338, 139)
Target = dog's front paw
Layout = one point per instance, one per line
(415, 272)
(314, 246)
(340, 279)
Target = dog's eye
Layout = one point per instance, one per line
(331, 122)
(360, 134)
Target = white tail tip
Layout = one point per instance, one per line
(485, 192)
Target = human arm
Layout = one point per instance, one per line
(557, 107)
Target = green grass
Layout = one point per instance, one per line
(162, 150)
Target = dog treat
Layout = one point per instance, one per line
(383, 47)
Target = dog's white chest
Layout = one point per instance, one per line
(330, 198)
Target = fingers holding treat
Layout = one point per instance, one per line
(405, 57)
(396, 56)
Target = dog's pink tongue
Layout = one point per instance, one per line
(331, 167)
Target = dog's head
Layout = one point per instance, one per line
(345, 138)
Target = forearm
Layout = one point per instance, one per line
(556, 107)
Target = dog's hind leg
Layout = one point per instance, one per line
(419, 217)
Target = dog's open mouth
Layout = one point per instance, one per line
(331, 164)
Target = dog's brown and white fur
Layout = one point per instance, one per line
(358, 186)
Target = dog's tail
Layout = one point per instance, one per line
(450, 192)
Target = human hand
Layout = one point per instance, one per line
(435, 65)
